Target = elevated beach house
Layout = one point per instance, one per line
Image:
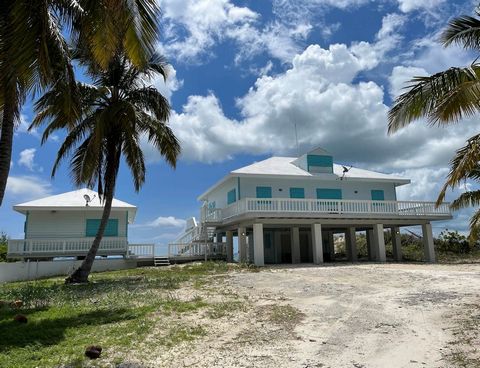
(287, 209)
(66, 224)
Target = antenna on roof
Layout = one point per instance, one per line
(296, 138)
(345, 170)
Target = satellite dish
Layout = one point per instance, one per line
(345, 170)
(87, 199)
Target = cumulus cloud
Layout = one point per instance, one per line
(27, 187)
(27, 158)
(411, 5)
(201, 22)
(160, 221)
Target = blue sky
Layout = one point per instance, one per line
(243, 72)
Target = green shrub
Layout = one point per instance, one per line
(3, 247)
(452, 241)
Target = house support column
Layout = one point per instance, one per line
(379, 243)
(295, 231)
(331, 245)
(317, 245)
(351, 244)
(242, 244)
(229, 240)
(371, 249)
(428, 242)
(396, 243)
(258, 256)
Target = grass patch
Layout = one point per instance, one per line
(116, 310)
(224, 309)
(284, 315)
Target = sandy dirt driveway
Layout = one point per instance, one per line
(367, 315)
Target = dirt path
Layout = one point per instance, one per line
(393, 315)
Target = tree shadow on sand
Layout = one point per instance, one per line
(51, 331)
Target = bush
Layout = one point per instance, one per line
(3, 247)
(452, 241)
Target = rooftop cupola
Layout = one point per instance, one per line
(317, 161)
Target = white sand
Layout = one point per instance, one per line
(369, 315)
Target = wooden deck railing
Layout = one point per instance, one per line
(196, 250)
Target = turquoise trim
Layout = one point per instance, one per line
(327, 193)
(92, 226)
(378, 195)
(212, 205)
(232, 196)
(297, 193)
(264, 192)
(319, 161)
(238, 185)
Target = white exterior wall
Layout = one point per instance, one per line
(68, 224)
(219, 195)
(22, 271)
(248, 188)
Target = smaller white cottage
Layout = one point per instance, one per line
(66, 224)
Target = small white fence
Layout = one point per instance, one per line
(197, 250)
(141, 251)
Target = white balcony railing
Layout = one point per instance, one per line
(365, 208)
(64, 247)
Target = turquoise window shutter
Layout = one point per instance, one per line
(231, 196)
(318, 163)
(327, 193)
(93, 224)
(378, 195)
(297, 193)
(264, 192)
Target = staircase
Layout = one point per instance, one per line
(161, 261)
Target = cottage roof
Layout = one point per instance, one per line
(74, 200)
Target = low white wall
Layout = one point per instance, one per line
(22, 271)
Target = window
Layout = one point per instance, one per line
(378, 195)
(318, 164)
(327, 193)
(211, 205)
(264, 192)
(232, 196)
(93, 224)
(297, 193)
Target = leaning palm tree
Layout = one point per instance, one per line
(445, 98)
(117, 110)
(34, 54)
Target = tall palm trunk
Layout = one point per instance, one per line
(80, 275)
(6, 142)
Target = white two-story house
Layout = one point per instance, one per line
(286, 209)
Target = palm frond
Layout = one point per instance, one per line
(442, 98)
(467, 199)
(463, 31)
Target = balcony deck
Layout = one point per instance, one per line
(326, 209)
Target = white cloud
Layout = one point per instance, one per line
(28, 187)
(168, 86)
(411, 5)
(168, 221)
(193, 26)
(27, 158)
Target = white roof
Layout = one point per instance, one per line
(285, 167)
(73, 201)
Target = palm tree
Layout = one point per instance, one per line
(34, 54)
(445, 98)
(116, 111)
